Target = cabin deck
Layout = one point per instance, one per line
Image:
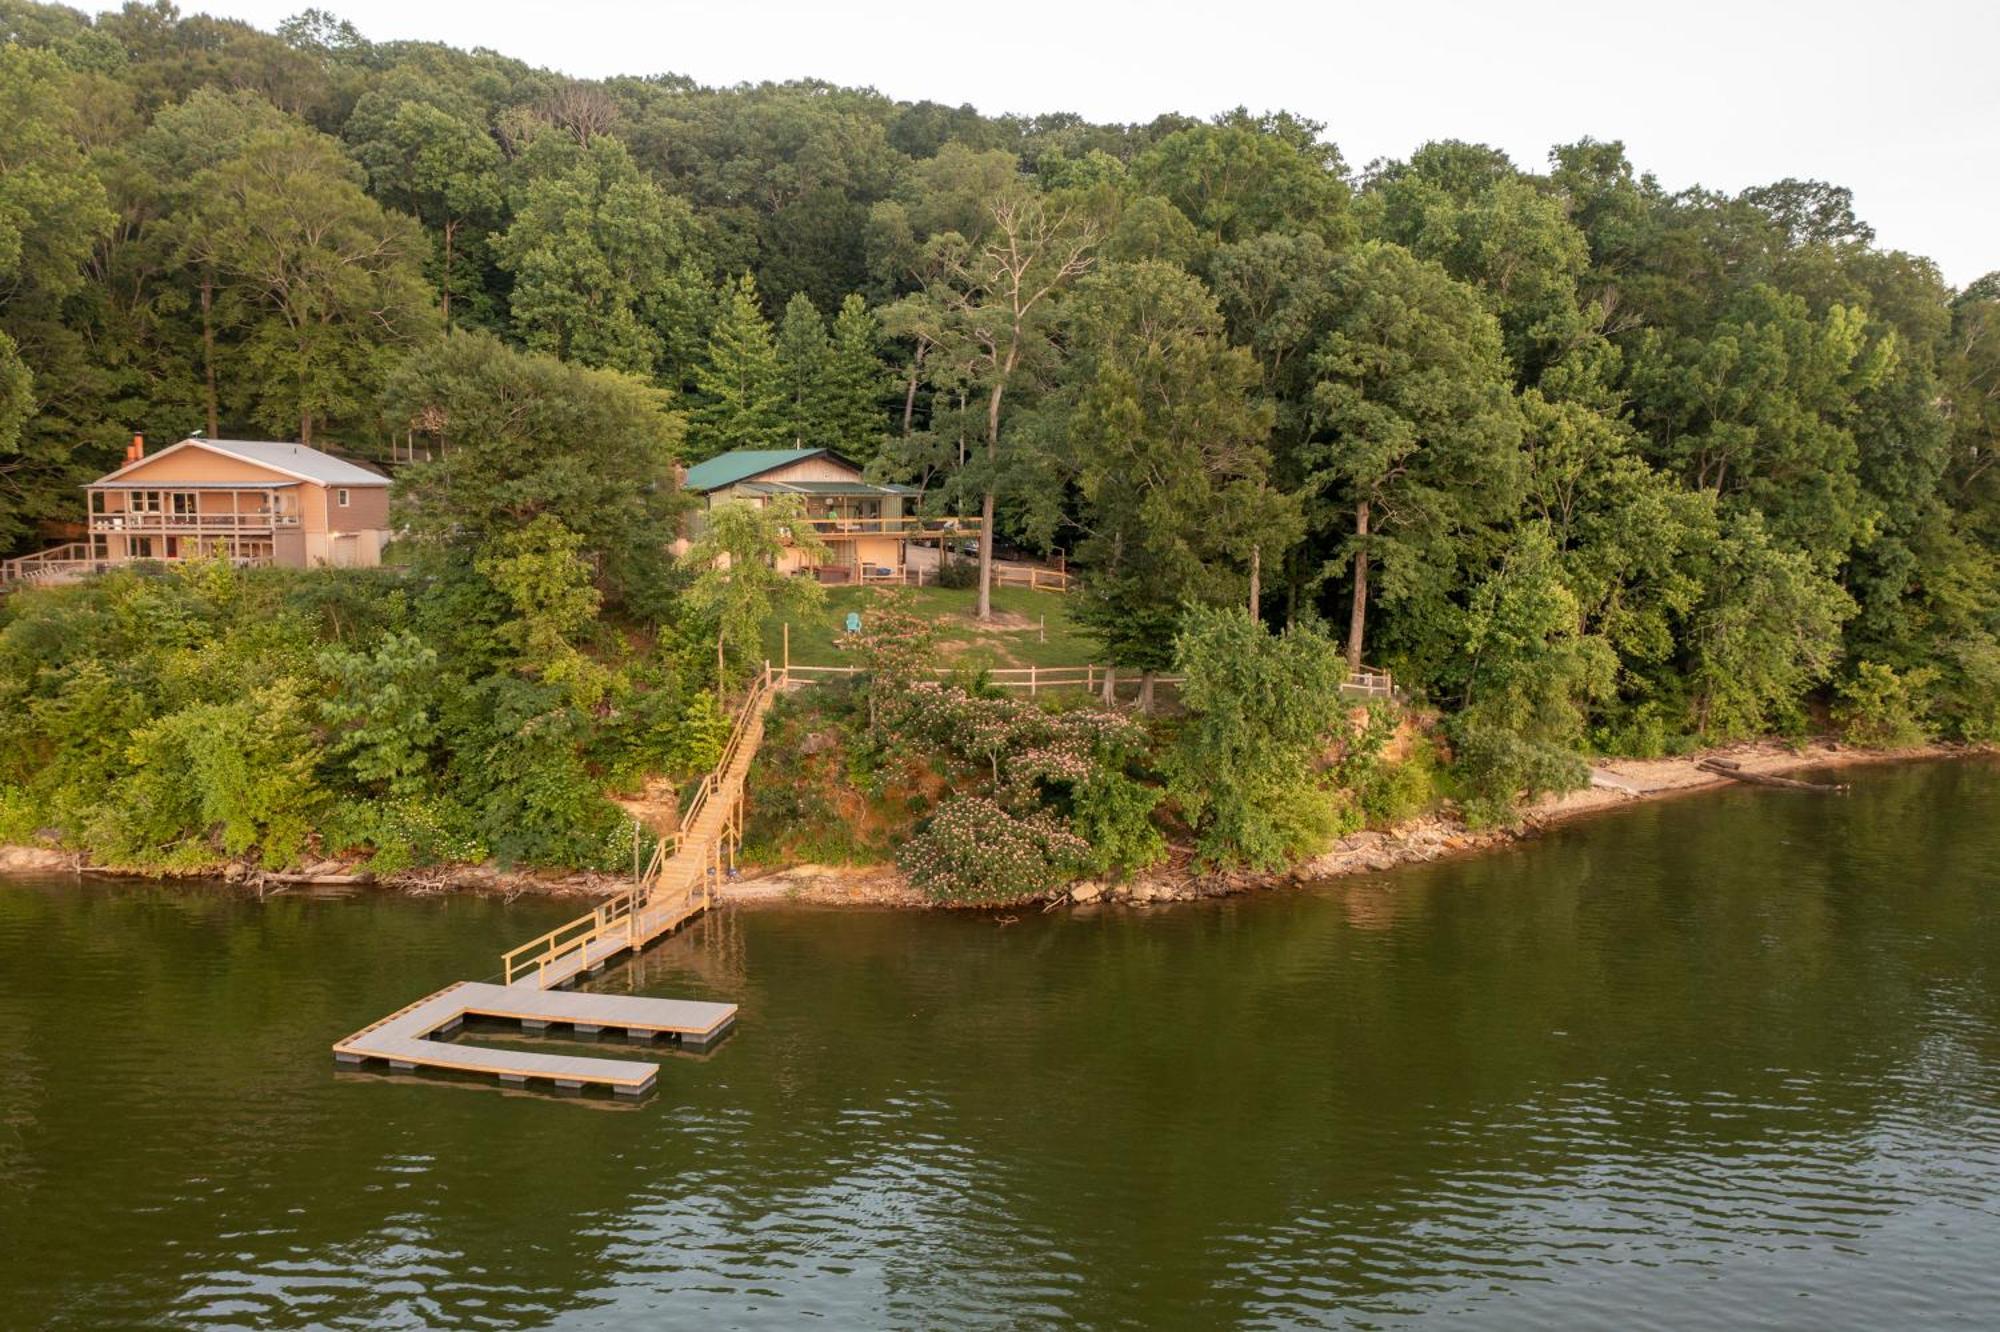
(408, 1038)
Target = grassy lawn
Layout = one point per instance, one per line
(1015, 638)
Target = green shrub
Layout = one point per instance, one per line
(1498, 770)
(1114, 816)
(20, 820)
(958, 572)
(1402, 790)
(1260, 710)
(1380, 792)
(1879, 708)
(403, 833)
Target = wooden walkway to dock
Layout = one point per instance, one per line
(678, 885)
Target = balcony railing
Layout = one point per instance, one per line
(908, 527)
(147, 522)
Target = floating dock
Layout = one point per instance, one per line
(408, 1038)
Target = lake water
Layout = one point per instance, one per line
(1722, 1062)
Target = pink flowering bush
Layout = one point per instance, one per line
(974, 851)
(1024, 748)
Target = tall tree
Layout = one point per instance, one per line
(851, 401)
(998, 296)
(443, 169)
(1242, 176)
(803, 352)
(743, 401)
(605, 263)
(324, 285)
(52, 208)
(1165, 427)
(517, 435)
(1419, 434)
(1489, 226)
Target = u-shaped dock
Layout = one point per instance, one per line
(409, 1038)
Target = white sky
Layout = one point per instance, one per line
(1898, 102)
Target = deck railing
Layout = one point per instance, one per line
(908, 526)
(1368, 681)
(52, 566)
(879, 575)
(148, 523)
(55, 562)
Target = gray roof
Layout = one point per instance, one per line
(297, 459)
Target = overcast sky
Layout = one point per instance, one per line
(1898, 102)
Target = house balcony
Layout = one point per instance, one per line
(147, 523)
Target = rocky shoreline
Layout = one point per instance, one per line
(1614, 783)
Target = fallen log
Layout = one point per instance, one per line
(1735, 772)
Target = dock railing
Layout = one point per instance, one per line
(612, 916)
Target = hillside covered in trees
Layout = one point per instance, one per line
(1588, 463)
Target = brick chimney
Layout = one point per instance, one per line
(135, 450)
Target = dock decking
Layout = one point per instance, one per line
(408, 1037)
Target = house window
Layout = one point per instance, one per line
(340, 498)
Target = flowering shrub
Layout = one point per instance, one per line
(975, 851)
(894, 648)
(1023, 747)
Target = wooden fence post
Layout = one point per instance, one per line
(788, 652)
(1031, 682)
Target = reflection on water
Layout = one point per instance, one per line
(1730, 1060)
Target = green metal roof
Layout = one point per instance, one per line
(741, 464)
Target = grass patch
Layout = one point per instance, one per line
(1017, 637)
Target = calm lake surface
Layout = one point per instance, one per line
(1724, 1062)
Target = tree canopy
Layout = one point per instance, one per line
(1592, 461)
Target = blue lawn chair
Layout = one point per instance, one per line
(854, 622)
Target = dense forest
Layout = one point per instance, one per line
(1591, 464)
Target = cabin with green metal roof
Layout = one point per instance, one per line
(869, 527)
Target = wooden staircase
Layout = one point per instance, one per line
(680, 882)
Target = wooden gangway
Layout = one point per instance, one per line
(678, 884)
(680, 881)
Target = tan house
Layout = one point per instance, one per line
(869, 528)
(256, 501)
